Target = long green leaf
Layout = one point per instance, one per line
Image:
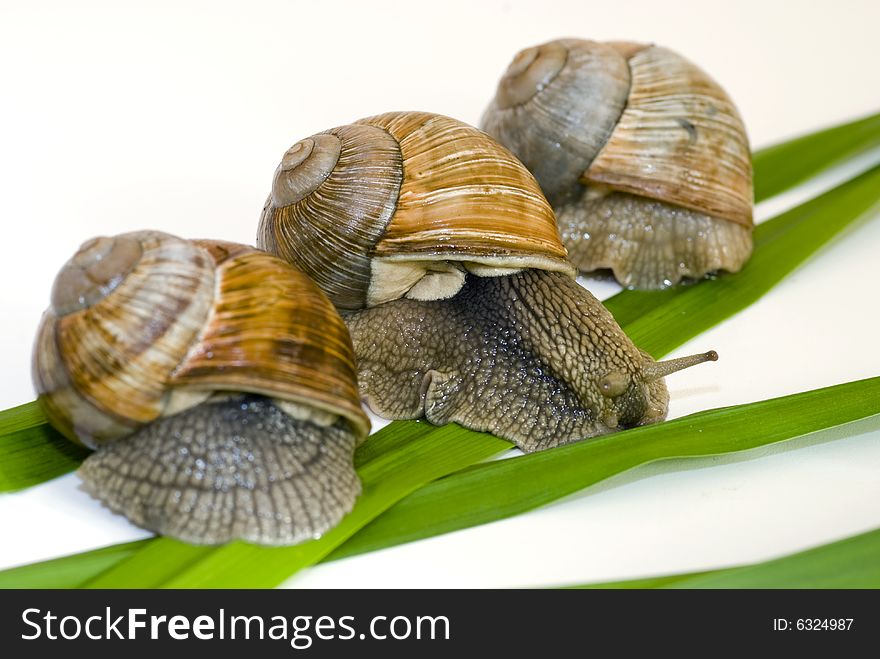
(848, 563)
(782, 166)
(479, 494)
(504, 488)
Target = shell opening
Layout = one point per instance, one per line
(531, 70)
(417, 280)
(304, 167)
(98, 267)
(305, 412)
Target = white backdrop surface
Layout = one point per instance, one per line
(173, 116)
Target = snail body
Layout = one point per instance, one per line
(443, 257)
(215, 382)
(643, 156)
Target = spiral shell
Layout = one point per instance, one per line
(610, 128)
(145, 325)
(401, 204)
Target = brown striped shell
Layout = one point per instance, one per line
(144, 325)
(402, 204)
(622, 122)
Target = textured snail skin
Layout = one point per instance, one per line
(236, 469)
(643, 156)
(216, 383)
(652, 244)
(520, 356)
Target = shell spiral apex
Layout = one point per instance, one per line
(304, 167)
(95, 270)
(531, 71)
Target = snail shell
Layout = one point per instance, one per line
(150, 338)
(402, 204)
(443, 255)
(643, 156)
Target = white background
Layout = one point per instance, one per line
(174, 115)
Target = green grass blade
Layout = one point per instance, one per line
(660, 321)
(31, 451)
(848, 563)
(68, 571)
(387, 477)
(782, 166)
(483, 493)
(505, 488)
(392, 437)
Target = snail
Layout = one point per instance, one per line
(643, 157)
(443, 257)
(215, 383)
